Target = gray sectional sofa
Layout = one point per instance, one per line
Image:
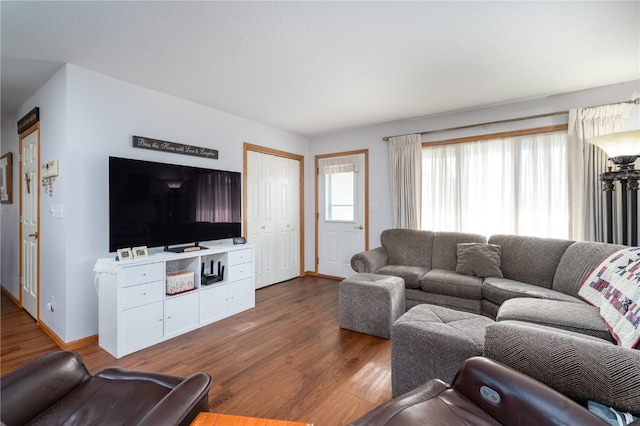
(543, 328)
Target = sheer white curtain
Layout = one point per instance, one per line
(515, 185)
(405, 156)
(586, 162)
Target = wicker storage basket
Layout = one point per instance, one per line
(179, 282)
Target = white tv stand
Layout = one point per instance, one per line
(135, 312)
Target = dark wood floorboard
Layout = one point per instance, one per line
(286, 359)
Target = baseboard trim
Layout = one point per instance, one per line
(71, 345)
(331, 277)
(12, 297)
(52, 335)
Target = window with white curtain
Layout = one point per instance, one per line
(340, 187)
(512, 185)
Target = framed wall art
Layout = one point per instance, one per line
(6, 179)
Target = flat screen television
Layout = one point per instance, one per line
(156, 204)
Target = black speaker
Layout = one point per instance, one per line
(239, 240)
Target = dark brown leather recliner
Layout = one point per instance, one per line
(57, 389)
(483, 392)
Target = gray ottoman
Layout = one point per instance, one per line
(370, 303)
(432, 342)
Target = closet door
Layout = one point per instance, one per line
(273, 216)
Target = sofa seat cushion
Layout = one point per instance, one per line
(416, 296)
(410, 274)
(450, 283)
(576, 317)
(105, 402)
(499, 290)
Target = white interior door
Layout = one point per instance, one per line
(341, 217)
(29, 193)
(288, 219)
(273, 216)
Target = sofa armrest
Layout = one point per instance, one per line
(370, 260)
(513, 398)
(579, 366)
(31, 389)
(182, 404)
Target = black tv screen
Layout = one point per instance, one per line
(157, 204)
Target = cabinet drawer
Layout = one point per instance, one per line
(142, 294)
(134, 275)
(239, 272)
(240, 256)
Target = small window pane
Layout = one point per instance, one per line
(340, 196)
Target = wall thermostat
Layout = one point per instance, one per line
(49, 169)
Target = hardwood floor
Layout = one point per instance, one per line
(286, 359)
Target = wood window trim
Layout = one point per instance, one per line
(513, 133)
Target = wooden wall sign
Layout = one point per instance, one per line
(173, 147)
(31, 118)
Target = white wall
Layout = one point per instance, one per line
(9, 214)
(371, 138)
(51, 100)
(96, 117)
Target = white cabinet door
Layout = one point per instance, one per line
(180, 313)
(214, 303)
(242, 295)
(142, 326)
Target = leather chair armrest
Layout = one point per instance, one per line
(579, 366)
(386, 412)
(510, 397)
(31, 389)
(369, 261)
(119, 373)
(182, 404)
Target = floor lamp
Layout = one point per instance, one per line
(623, 149)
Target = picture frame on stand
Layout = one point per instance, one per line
(125, 254)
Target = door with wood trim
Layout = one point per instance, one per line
(30, 227)
(273, 216)
(341, 216)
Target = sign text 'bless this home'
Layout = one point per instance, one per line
(174, 147)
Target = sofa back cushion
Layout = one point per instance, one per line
(531, 260)
(445, 246)
(577, 262)
(408, 247)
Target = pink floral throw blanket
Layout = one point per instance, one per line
(614, 287)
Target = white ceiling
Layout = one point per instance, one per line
(315, 67)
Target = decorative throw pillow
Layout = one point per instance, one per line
(614, 287)
(479, 259)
